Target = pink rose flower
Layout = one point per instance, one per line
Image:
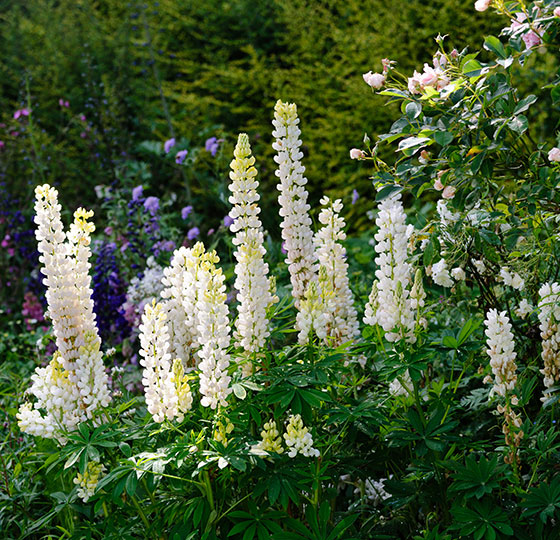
(438, 185)
(448, 192)
(414, 83)
(554, 154)
(375, 80)
(356, 153)
(556, 11)
(482, 5)
(429, 77)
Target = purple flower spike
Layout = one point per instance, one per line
(64, 103)
(193, 233)
(228, 221)
(2, 145)
(180, 157)
(186, 211)
(355, 196)
(152, 205)
(168, 145)
(137, 193)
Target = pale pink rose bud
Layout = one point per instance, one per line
(554, 154)
(425, 155)
(454, 53)
(531, 39)
(448, 192)
(375, 80)
(482, 5)
(556, 11)
(438, 185)
(356, 153)
(386, 64)
(441, 173)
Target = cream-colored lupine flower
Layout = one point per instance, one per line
(222, 430)
(271, 442)
(180, 294)
(74, 386)
(312, 315)
(390, 305)
(402, 387)
(512, 280)
(440, 274)
(549, 318)
(294, 209)
(298, 439)
(524, 308)
(213, 334)
(342, 318)
(157, 376)
(183, 389)
(88, 481)
(253, 286)
(501, 349)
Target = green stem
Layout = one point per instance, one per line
(141, 513)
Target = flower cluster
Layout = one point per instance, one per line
(390, 304)
(88, 481)
(213, 334)
(271, 442)
(501, 350)
(549, 318)
(342, 318)
(501, 347)
(298, 439)
(253, 286)
(294, 209)
(157, 377)
(74, 385)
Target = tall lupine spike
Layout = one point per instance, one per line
(393, 309)
(213, 334)
(179, 280)
(294, 209)
(501, 350)
(74, 386)
(549, 318)
(342, 322)
(253, 285)
(157, 376)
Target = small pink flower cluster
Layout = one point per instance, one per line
(531, 38)
(377, 80)
(431, 76)
(554, 154)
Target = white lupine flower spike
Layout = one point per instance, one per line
(549, 318)
(252, 282)
(213, 334)
(342, 318)
(74, 385)
(294, 209)
(390, 304)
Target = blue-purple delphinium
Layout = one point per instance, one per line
(109, 293)
(137, 193)
(355, 196)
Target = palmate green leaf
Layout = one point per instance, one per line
(544, 500)
(483, 519)
(477, 478)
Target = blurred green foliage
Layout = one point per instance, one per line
(144, 71)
